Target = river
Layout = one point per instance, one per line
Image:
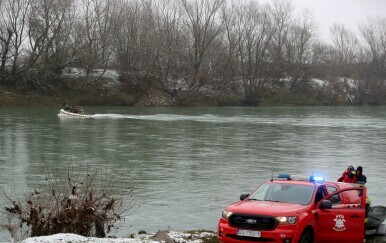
(187, 164)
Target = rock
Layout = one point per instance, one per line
(162, 236)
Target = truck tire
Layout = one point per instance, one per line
(306, 238)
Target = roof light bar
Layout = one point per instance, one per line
(317, 178)
(302, 178)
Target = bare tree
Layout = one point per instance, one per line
(13, 19)
(299, 54)
(96, 49)
(201, 27)
(48, 30)
(282, 18)
(148, 37)
(65, 46)
(255, 32)
(343, 60)
(227, 70)
(134, 36)
(345, 44)
(374, 44)
(5, 39)
(168, 42)
(125, 31)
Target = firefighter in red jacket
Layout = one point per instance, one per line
(349, 175)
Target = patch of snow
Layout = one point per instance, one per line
(286, 82)
(110, 77)
(79, 72)
(162, 236)
(67, 238)
(113, 74)
(319, 82)
(352, 83)
(74, 72)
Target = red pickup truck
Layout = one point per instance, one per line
(296, 209)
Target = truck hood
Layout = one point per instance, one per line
(266, 208)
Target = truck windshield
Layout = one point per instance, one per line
(280, 192)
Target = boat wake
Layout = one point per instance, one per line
(245, 119)
(159, 117)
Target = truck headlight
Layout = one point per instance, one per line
(226, 214)
(287, 220)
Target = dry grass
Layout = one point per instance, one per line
(78, 203)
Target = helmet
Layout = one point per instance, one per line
(350, 168)
(352, 173)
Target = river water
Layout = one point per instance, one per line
(187, 164)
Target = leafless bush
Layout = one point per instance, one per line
(79, 203)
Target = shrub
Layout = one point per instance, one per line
(79, 203)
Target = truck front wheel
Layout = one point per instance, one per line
(306, 237)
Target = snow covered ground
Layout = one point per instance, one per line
(161, 236)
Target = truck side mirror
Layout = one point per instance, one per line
(243, 196)
(326, 204)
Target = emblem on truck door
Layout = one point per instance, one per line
(339, 223)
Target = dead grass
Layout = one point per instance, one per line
(77, 202)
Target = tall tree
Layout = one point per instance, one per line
(299, 55)
(374, 43)
(201, 28)
(64, 48)
(345, 44)
(255, 32)
(227, 61)
(96, 49)
(168, 43)
(343, 60)
(282, 19)
(134, 36)
(13, 20)
(47, 28)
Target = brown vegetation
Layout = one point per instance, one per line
(79, 203)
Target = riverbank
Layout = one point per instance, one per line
(161, 236)
(9, 98)
(152, 94)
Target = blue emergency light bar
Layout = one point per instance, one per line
(317, 178)
(312, 178)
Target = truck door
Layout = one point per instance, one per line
(341, 220)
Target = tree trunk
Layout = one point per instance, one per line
(5, 51)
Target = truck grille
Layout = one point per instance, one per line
(257, 222)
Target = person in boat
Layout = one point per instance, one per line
(349, 175)
(67, 107)
(81, 110)
(74, 109)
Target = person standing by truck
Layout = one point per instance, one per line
(360, 177)
(349, 175)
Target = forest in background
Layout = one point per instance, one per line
(187, 52)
